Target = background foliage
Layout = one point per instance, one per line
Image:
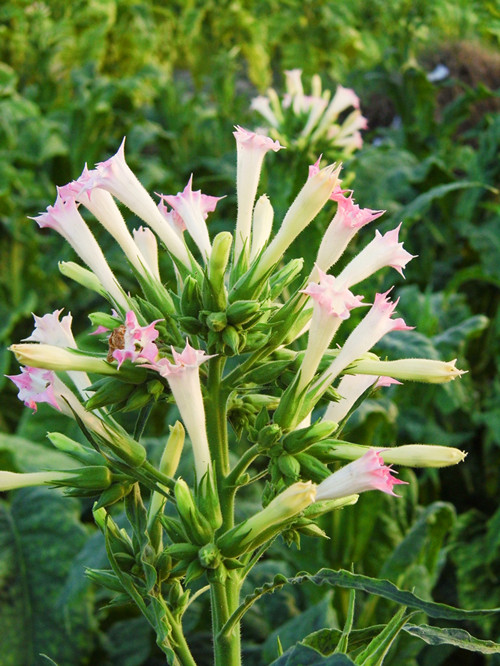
(174, 77)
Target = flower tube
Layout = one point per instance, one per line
(64, 218)
(251, 150)
(103, 207)
(350, 389)
(309, 201)
(184, 380)
(424, 370)
(332, 303)
(367, 333)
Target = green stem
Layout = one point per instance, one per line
(225, 601)
(178, 642)
(241, 466)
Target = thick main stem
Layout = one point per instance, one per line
(225, 600)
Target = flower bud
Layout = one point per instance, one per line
(195, 524)
(299, 440)
(410, 369)
(409, 455)
(59, 358)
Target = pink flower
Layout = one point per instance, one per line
(102, 205)
(332, 304)
(35, 385)
(367, 333)
(64, 218)
(115, 176)
(348, 219)
(251, 149)
(138, 341)
(359, 476)
(193, 208)
(382, 251)
(184, 380)
(49, 330)
(332, 296)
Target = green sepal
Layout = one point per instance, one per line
(207, 500)
(104, 319)
(163, 566)
(285, 276)
(182, 551)
(301, 439)
(191, 325)
(266, 372)
(311, 468)
(216, 321)
(217, 264)
(232, 563)
(174, 529)
(114, 494)
(105, 578)
(110, 391)
(91, 478)
(195, 570)
(231, 339)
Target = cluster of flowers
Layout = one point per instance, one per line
(236, 297)
(300, 120)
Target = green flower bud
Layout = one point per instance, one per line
(216, 321)
(195, 524)
(82, 453)
(108, 391)
(299, 440)
(209, 556)
(240, 312)
(289, 466)
(311, 468)
(269, 435)
(208, 500)
(191, 298)
(231, 339)
(182, 551)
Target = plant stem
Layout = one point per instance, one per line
(225, 600)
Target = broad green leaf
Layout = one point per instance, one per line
(302, 655)
(129, 642)
(452, 636)
(326, 641)
(40, 534)
(388, 590)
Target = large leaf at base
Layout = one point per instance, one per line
(39, 536)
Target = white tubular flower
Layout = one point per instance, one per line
(145, 240)
(193, 208)
(262, 224)
(409, 455)
(64, 218)
(332, 303)
(262, 105)
(350, 389)
(184, 380)
(251, 149)
(49, 330)
(367, 333)
(59, 358)
(14, 480)
(348, 219)
(310, 200)
(342, 100)
(381, 252)
(116, 177)
(411, 369)
(103, 207)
